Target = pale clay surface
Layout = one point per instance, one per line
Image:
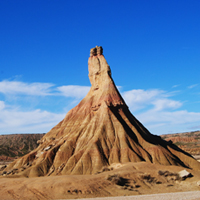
(194, 195)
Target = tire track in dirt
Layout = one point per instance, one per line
(192, 195)
(14, 196)
(39, 195)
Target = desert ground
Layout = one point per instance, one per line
(118, 180)
(194, 195)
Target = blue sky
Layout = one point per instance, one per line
(152, 47)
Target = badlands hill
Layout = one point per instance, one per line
(99, 132)
(17, 145)
(188, 141)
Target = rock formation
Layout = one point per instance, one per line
(98, 132)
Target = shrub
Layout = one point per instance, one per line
(116, 179)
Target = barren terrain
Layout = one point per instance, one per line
(192, 195)
(188, 141)
(16, 145)
(117, 180)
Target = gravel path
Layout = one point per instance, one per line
(194, 195)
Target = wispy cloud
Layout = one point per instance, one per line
(2, 105)
(139, 99)
(14, 116)
(163, 104)
(155, 108)
(42, 89)
(74, 91)
(192, 86)
(174, 117)
(158, 111)
(14, 120)
(175, 121)
(175, 86)
(21, 88)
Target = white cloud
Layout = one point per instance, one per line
(139, 99)
(2, 105)
(192, 86)
(162, 104)
(162, 122)
(14, 118)
(42, 89)
(175, 117)
(155, 108)
(21, 88)
(174, 86)
(75, 91)
(16, 121)
(157, 111)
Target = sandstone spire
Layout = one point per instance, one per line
(99, 131)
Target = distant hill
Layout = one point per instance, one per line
(188, 141)
(17, 145)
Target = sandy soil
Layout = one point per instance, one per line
(122, 180)
(193, 195)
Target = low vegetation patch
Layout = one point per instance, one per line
(172, 175)
(148, 178)
(116, 179)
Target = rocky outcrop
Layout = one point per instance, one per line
(98, 132)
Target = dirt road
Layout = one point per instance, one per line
(194, 195)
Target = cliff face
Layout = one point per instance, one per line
(99, 131)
